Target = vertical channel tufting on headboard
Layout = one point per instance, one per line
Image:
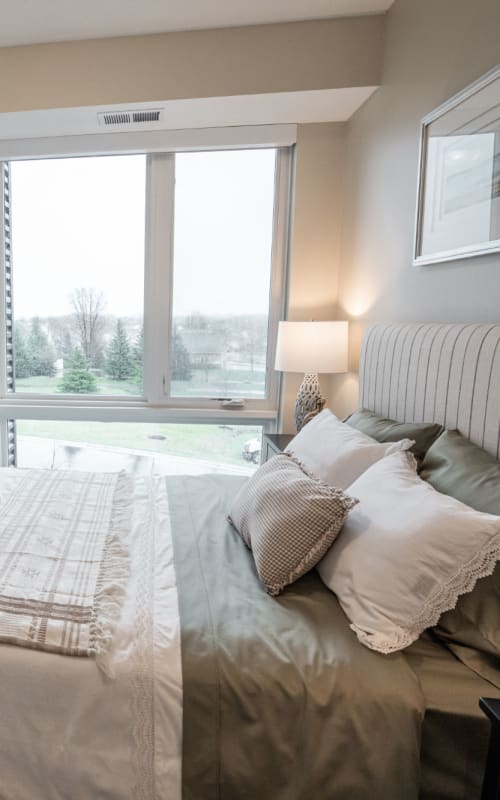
(432, 372)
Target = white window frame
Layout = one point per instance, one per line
(156, 405)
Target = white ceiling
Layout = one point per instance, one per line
(36, 21)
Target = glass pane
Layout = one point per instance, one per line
(461, 177)
(78, 274)
(140, 448)
(223, 228)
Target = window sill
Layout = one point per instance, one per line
(114, 410)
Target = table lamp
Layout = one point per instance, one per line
(311, 347)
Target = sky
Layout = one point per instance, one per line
(79, 222)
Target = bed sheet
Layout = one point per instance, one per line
(68, 731)
(455, 731)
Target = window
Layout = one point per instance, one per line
(141, 448)
(223, 232)
(143, 288)
(78, 259)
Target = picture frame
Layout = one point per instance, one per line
(458, 193)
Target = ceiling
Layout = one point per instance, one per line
(37, 21)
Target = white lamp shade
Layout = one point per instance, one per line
(312, 347)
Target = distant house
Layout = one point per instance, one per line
(207, 349)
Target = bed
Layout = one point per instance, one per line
(216, 691)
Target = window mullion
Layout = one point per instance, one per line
(277, 296)
(160, 184)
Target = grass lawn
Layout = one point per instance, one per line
(220, 443)
(210, 383)
(41, 384)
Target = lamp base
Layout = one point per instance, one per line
(309, 401)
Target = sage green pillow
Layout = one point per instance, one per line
(455, 466)
(388, 430)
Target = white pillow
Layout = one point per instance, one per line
(336, 453)
(405, 554)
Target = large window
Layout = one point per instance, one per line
(143, 289)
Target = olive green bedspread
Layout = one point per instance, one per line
(280, 700)
(455, 732)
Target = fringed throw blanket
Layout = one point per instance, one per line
(63, 560)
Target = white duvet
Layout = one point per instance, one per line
(67, 731)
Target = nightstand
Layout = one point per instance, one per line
(274, 443)
(491, 781)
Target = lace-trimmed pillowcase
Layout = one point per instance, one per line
(335, 452)
(405, 554)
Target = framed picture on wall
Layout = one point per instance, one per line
(458, 202)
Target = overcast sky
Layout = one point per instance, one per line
(79, 222)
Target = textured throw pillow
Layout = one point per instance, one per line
(405, 554)
(288, 519)
(459, 468)
(383, 429)
(335, 452)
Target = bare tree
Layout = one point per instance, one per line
(253, 339)
(88, 306)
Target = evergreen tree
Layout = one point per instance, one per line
(137, 359)
(77, 377)
(21, 358)
(181, 364)
(67, 345)
(40, 353)
(120, 363)
(58, 331)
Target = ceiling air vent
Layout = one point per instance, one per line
(122, 118)
(139, 117)
(151, 115)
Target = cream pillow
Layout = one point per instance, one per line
(335, 452)
(287, 519)
(405, 554)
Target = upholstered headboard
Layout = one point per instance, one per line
(435, 373)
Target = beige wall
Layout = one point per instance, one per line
(316, 232)
(320, 54)
(434, 48)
